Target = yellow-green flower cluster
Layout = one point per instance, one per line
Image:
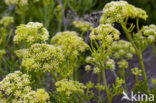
(88, 68)
(83, 25)
(105, 32)
(42, 57)
(110, 64)
(25, 96)
(31, 96)
(123, 64)
(96, 70)
(20, 2)
(6, 21)
(90, 59)
(99, 87)
(69, 87)
(17, 85)
(121, 49)
(119, 82)
(150, 32)
(2, 53)
(21, 52)
(3, 100)
(136, 71)
(70, 43)
(117, 11)
(90, 85)
(33, 32)
(14, 82)
(42, 96)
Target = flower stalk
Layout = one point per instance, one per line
(138, 52)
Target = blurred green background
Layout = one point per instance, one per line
(55, 14)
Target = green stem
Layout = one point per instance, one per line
(136, 78)
(138, 52)
(137, 24)
(129, 37)
(39, 79)
(99, 92)
(154, 49)
(9, 97)
(106, 86)
(1, 70)
(22, 14)
(54, 76)
(143, 68)
(82, 34)
(75, 74)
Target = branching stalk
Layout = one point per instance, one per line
(106, 86)
(138, 52)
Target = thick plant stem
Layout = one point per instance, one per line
(154, 49)
(106, 86)
(143, 68)
(99, 92)
(82, 33)
(137, 24)
(22, 14)
(138, 52)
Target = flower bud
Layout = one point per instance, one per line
(110, 64)
(87, 68)
(129, 55)
(123, 64)
(132, 50)
(136, 71)
(96, 70)
(151, 38)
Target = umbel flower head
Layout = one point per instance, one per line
(70, 42)
(27, 95)
(42, 57)
(33, 32)
(123, 64)
(17, 86)
(149, 31)
(105, 32)
(110, 64)
(42, 96)
(96, 70)
(117, 11)
(6, 21)
(121, 49)
(14, 82)
(69, 87)
(83, 25)
(20, 2)
(136, 71)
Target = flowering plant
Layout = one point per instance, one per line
(90, 65)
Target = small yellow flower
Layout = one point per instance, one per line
(136, 71)
(42, 96)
